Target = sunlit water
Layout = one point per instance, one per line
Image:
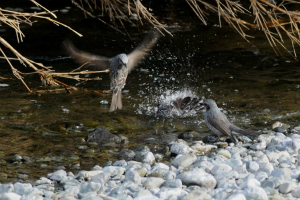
(254, 88)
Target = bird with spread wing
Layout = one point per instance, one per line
(119, 66)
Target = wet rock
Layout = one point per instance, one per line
(120, 163)
(189, 135)
(296, 192)
(169, 175)
(142, 171)
(22, 189)
(144, 195)
(281, 130)
(114, 170)
(249, 181)
(252, 166)
(145, 157)
(272, 182)
(88, 174)
(204, 164)
(200, 148)
(220, 169)
(23, 176)
(278, 125)
(281, 173)
(244, 139)
(259, 146)
(127, 154)
(6, 188)
(237, 196)
(90, 187)
(180, 147)
(101, 177)
(225, 153)
(10, 196)
(183, 160)
(142, 148)
(170, 193)
(43, 180)
(132, 175)
(287, 187)
(103, 135)
(173, 183)
(152, 182)
(255, 193)
(15, 158)
(58, 175)
(221, 144)
(198, 177)
(197, 194)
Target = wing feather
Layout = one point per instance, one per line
(219, 124)
(142, 50)
(95, 62)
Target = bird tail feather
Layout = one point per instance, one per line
(116, 102)
(244, 132)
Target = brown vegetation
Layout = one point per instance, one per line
(276, 21)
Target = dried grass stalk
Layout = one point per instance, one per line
(14, 19)
(273, 20)
(121, 10)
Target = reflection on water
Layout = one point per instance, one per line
(254, 89)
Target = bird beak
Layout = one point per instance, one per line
(125, 65)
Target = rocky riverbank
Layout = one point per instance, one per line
(267, 167)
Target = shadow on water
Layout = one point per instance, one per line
(254, 88)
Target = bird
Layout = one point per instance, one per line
(119, 66)
(218, 123)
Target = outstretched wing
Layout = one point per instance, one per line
(142, 50)
(93, 61)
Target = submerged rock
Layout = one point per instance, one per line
(101, 135)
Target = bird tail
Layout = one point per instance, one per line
(116, 102)
(244, 132)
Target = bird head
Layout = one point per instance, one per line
(123, 59)
(209, 103)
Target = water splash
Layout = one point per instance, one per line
(183, 103)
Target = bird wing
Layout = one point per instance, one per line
(93, 61)
(142, 50)
(219, 124)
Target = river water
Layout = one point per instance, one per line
(253, 86)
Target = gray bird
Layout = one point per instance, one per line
(218, 123)
(119, 66)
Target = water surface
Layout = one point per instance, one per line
(254, 87)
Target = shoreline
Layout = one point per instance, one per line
(267, 167)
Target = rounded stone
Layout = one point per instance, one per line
(183, 160)
(132, 175)
(173, 183)
(152, 182)
(198, 177)
(287, 187)
(224, 153)
(219, 169)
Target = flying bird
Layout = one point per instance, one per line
(119, 66)
(218, 123)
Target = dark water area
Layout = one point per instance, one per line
(253, 85)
